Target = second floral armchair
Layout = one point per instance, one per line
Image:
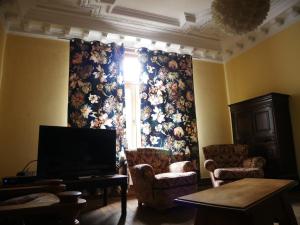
(229, 162)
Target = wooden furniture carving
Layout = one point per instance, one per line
(250, 201)
(264, 124)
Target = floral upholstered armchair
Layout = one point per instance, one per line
(230, 162)
(156, 181)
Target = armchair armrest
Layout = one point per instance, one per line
(143, 178)
(254, 162)
(143, 172)
(210, 165)
(180, 167)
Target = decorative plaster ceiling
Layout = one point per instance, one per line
(171, 25)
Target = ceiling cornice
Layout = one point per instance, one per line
(280, 23)
(105, 21)
(139, 30)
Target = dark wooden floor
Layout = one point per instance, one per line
(110, 214)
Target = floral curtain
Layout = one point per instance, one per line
(96, 88)
(168, 117)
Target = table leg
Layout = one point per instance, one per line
(274, 209)
(124, 198)
(288, 216)
(105, 196)
(212, 216)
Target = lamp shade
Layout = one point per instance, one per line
(239, 16)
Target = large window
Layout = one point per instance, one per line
(131, 68)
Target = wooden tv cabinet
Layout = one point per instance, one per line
(88, 182)
(102, 182)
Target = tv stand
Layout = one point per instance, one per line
(101, 182)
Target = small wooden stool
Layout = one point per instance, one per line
(70, 206)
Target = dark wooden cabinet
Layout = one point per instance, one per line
(264, 124)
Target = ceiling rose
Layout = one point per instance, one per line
(239, 16)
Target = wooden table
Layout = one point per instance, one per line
(245, 202)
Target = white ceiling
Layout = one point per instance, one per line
(172, 25)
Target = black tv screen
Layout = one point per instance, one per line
(65, 152)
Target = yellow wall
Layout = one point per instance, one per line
(34, 91)
(213, 122)
(35, 88)
(2, 47)
(271, 66)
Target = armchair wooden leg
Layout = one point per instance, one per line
(140, 204)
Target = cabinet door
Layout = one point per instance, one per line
(242, 127)
(263, 124)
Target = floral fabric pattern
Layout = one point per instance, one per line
(168, 117)
(157, 158)
(96, 88)
(227, 155)
(155, 182)
(229, 162)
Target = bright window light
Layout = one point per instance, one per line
(131, 69)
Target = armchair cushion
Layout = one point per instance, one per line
(237, 173)
(253, 162)
(173, 180)
(180, 167)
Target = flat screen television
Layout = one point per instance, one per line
(67, 153)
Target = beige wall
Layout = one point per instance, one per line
(2, 47)
(213, 121)
(34, 91)
(271, 66)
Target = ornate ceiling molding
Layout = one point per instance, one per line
(106, 21)
(234, 48)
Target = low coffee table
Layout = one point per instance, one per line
(245, 202)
